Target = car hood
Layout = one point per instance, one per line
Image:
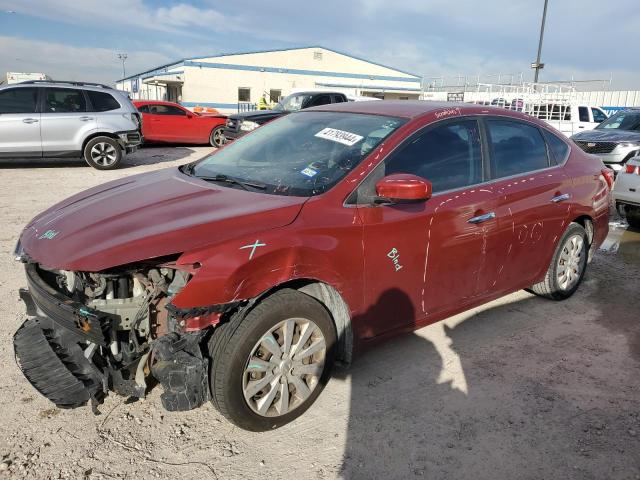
(258, 115)
(611, 135)
(146, 216)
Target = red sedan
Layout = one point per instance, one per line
(242, 278)
(170, 122)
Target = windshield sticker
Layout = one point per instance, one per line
(340, 136)
(309, 172)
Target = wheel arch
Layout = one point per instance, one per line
(333, 301)
(95, 135)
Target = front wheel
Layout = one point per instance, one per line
(269, 366)
(216, 139)
(103, 153)
(567, 267)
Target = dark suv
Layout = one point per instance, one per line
(242, 123)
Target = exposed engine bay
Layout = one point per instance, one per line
(95, 332)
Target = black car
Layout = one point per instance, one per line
(242, 123)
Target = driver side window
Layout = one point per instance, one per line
(449, 156)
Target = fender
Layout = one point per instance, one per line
(242, 269)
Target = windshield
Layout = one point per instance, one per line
(622, 121)
(302, 154)
(293, 102)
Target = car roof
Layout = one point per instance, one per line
(155, 102)
(417, 108)
(398, 108)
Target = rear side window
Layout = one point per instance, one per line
(338, 99)
(449, 156)
(516, 148)
(102, 102)
(19, 100)
(558, 148)
(319, 100)
(165, 110)
(64, 100)
(143, 108)
(583, 112)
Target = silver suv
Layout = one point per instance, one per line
(68, 119)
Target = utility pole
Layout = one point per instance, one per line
(537, 66)
(123, 57)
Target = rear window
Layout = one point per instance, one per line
(517, 148)
(18, 100)
(102, 101)
(558, 148)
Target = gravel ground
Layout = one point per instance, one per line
(520, 388)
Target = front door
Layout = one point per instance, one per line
(65, 120)
(423, 259)
(20, 122)
(171, 124)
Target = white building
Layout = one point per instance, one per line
(225, 81)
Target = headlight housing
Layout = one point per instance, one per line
(629, 145)
(247, 125)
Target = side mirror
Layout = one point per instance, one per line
(190, 115)
(403, 188)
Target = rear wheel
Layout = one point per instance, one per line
(103, 153)
(567, 267)
(269, 366)
(216, 139)
(633, 216)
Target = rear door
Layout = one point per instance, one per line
(20, 122)
(533, 196)
(65, 120)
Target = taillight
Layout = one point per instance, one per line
(607, 173)
(632, 169)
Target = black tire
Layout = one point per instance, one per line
(232, 343)
(110, 157)
(632, 213)
(550, 287)
(216, 139)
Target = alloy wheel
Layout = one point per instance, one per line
(217, 137)
(104, 154)
(284, 367)
(570, 262)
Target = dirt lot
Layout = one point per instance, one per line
(522, 388)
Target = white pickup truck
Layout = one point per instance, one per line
(571, 119)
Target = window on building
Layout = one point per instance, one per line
(102, 101)
(403, 98)
(19, 100)
(449, 156)
(64, 100)
(244, 94)
(274, 95)
(317, 55)
(516, 147)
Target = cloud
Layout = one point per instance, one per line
(66, 62)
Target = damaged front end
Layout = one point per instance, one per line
(89, 333)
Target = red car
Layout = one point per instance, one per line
(243, 277)
(169, 122)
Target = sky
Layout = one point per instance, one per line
(79, 39)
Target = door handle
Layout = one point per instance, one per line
(85, 119)
(561, 198)
(30, 120)
(482, 218)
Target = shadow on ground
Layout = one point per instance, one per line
(444, 403)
